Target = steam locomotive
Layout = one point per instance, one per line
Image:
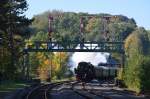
(86, 72)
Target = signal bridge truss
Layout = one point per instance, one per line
(92, 46)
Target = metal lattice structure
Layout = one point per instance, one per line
(42, 46)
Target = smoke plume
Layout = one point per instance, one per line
(92, 57)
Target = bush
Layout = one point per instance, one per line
(145, 75)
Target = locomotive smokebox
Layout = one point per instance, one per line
(85, 72)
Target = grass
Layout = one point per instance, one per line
(9, 86)
(59, 80)
(64, 79)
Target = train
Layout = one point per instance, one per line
(86, 72)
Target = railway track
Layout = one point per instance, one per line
(48, 91)
(42, 91)
(89, 94)
(110, 93)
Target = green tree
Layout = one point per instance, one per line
(93, 30)
(12, 29)
(12, 15)
(136, 48)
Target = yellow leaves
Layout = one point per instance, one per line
(63, 55)
(120, 74)
(44, 46)
(133, 43)
(28, 43)
(39, 55)
(59, 61)
(128, 41)
(50, 61)
(92, 23)
(46, 62)
(43, 73)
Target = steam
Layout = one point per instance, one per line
(93, 57)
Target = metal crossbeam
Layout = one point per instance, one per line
(40, 46)
(109, 64)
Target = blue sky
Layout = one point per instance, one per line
(137, 9)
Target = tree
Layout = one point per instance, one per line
(12, 15)
(145, 80)
(148, 33)
(60, 62)
(13, 24)
(136, 49)
(93, 30)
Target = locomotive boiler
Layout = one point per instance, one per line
(86, 72)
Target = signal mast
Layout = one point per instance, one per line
(50, 30)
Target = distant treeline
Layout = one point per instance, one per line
(66, 25)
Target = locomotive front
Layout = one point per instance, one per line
(85, 72)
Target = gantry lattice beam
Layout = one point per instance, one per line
(41, 46)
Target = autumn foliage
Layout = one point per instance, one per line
(51, 65)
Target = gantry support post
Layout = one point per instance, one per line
(23, 67)
(81, 33)
(123, 52)
(50, 30)
(26, 67)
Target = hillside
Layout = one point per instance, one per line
(67, 25)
